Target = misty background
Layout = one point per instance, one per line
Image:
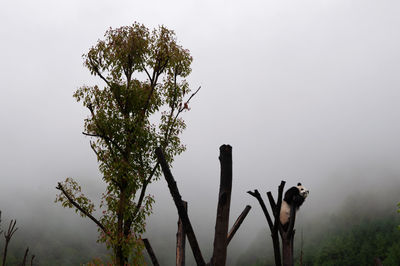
(304, 91)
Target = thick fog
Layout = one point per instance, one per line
(304, 91)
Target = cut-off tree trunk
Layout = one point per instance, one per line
(224, 203)
(180, 242)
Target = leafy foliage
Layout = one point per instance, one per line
(137, 110)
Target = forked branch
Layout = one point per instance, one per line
(8, 235)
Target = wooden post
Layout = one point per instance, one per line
(180, 242)
(173, 188)
(150, 252)
(224, 203)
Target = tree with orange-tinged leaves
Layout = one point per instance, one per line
(137, 109)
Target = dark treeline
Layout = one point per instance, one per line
(363, 228)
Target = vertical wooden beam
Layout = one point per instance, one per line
(224, 202)
(180, 242)
(173, 188)
(150, 252)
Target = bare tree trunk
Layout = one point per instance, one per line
(287, 252)
(33, 256)
(224, 203)
(150, 252)
(180, 242)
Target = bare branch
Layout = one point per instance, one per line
(238, 223)
(8, 235)
(106, 138)
(173, 188)
(257, 195)
(26, 254)
(150, 252)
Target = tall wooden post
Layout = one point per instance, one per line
(181, 241)
(224, 202)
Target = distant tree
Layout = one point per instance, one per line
(137, 110)
(398, 210)
(8, 236)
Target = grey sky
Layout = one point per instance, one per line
(303, 90)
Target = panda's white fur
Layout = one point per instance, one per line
(296, 191)
(285, 213)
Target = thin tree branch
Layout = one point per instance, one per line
(33, 256)
(147, 72)
(26, 254)
(96, 70)
(106, 139)
(97, 222)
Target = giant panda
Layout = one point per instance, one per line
(294, 195)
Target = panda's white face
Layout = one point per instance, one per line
(303, 191)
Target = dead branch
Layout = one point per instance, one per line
(150, 252)
(26, 254)
(180, 242)
(33, 256)
(181, 208)
(257, 195)
(8, 235)
(238, 223)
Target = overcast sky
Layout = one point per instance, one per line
(305, 91)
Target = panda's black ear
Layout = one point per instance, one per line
(299, 184)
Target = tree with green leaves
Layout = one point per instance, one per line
(138, 109)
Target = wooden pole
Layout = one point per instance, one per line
(224, 203)
(180, 242)
(173, 188)
(238, 222)
(150, 252)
